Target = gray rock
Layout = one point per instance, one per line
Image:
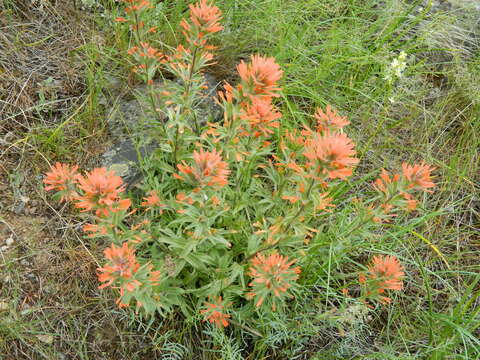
(124, 158)
(130, 124)
(126, 119)
(210, 110)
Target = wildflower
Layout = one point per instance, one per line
(228, 94)
(148, 51)
(132, 50)
(204, 16)
(183, 198)
(384, 181)
(122, 266)
(329, 120)
(418, 176)
(137, 5)
(384, 273)
(204, 20)
(397, 66)
(271, 274)
(331, 154)
(154, 276)
(261, 75)
(324, 202)
(101, 192)
(409, 200)
(151, 200)
(261, 117)
(62, 177)
(209, 169)
(95, 229)
(214, 313)
(292, 165)
(292, 199)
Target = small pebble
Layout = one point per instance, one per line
(9, 241)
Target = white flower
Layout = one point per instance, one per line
(397, 66)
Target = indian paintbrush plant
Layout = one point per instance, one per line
(233, 209)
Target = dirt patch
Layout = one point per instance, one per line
(39, 71)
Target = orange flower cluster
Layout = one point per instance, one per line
(100, 189)
(146, 56)
(122, 265)
(136, 5)
(123, 270)
(152, 200)
(330, 120)
(254, 95)
(62, 178)
(101, 192)
(260, 76)
(261, 117)
(204, 20)
(328, 154)
(209, 169)
(214, 313)
(271, 274)
(384, 273)
(331, 155)
(133, 12)
(418, 176)
(396, 189)
(145, 50)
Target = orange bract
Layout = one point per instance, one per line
(101, 192)
(384, 273)
(204, 20)
(383, 182)
(154, 276)
(205, 17)
(261, 117)
(409, 200)
(146, 51)
(331, 154)
(151, 200)
(95, 229)
(62, 177)
(388, 271)
(215, 313)
(209, 169)
(261, 75)
(329, 120)
(122, 265)
(271, 274)
(418, 175)
(136, 5)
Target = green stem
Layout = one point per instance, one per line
(300, 210)
(153, 103)
(310, 187)
(175, 146)
(188, 85)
